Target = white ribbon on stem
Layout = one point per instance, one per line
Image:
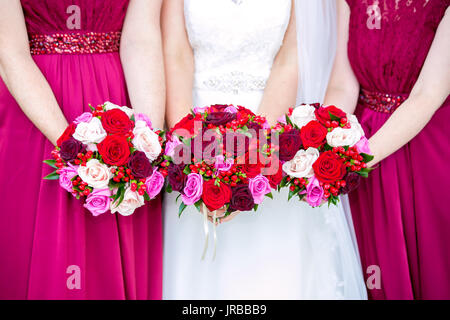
(206, 229)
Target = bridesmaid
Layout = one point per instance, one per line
(50, 247)
(393, 65)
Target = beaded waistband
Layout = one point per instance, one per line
(75, 43)
(381, 102)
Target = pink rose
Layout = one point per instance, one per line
(259, 186)
(85, 117)
(193, 189)
(98, 201)
(154, 184)
(66, 175)
(363, 146)
(231, 109)
(223, 165)
(171, 146)
(314, 192)
(200, 109)
(143, 117)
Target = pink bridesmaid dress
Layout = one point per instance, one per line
(401, 213)
(50, 246)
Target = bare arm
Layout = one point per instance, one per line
(343, 87)
(281, 90)
(22, 76)
(429, 92)
(179, 61)
(142, 60)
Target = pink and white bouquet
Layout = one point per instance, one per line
(109, 157)
(324, 153)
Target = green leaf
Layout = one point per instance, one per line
(169, 188)
(51, 163)
(198, 205)
(133, 118)
(146, 197)
(181, 209)
(186, 170)
(91, 107)
(269, 195)
(288, 121)
(52, 176)
(119, 196)
(255, 207)
(333, 117)
(367, 157)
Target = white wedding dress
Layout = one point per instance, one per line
(285, 250)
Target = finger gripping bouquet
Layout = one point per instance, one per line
(109, 158)
(215, 158)
(324, 153)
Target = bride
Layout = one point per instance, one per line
(244, 52)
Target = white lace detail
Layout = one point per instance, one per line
(235, 42)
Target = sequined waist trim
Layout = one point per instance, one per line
(75, 43)
(381, 102)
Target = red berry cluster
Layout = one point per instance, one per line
(59, 161)
(343, 123)
(98, 112)
(163, 168)
(297, 184)
(122, 174)
(80, 187)
(83, 158)
(139, 186)
(233, 177)
(353, 160)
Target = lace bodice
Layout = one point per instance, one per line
(389, 41)
(235, 41)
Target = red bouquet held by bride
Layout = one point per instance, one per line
(324, 153)
(218, 157)
(109, 157)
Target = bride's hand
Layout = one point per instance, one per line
(220, 215)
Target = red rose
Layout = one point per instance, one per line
(274, 171)
(114, 150)
(289, 142)
(324, 114)
(67, 134)
(187, 123)
(244, 113)
(329, 167)
(116, 121)
(313, 134)
(250, 168)
(215, 197)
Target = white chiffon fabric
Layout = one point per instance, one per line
(286, 250)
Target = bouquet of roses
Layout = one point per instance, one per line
(109, 157)
(217, 159)
(324, 154)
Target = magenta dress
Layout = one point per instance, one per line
(43, 229)
(401, 214)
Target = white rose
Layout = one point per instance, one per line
(131, 201)
(110, 106)
(95, 174)
(302, 115)
(354, 123)
(90, 132)
(146, 140)
(301, 165)
(341, 137)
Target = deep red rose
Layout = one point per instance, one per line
(313, 134)
(176, 177)
(219, 118)
(66, 134)
(139, 165)
(329, 167)
(115, 121)
(114, 150)
(241, 199)
(71, 148)
(352, 180)
(218, 107)
(204, 146)
(290, 142)
(324, 114)
(215, 197)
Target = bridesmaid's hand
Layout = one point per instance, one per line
(220, 215)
